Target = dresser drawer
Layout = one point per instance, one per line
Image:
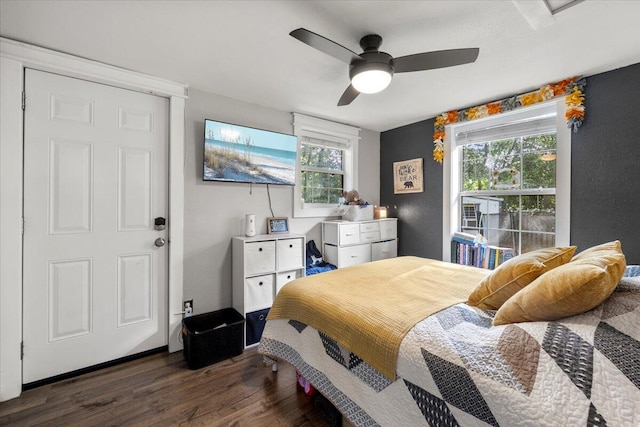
(367, 227)
(290, 254)
(388, 229)
(255, 323)
(340, 233)
(258, 292)
(370, 236)
(259, 257)
(353, 255)
(284, 278)
(384, 250)
(349, 234)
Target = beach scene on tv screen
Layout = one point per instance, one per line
(242, 154)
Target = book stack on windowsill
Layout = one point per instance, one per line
(467, 249)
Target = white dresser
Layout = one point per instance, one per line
(347, 243)
(262, 265)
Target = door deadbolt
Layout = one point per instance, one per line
(159, 242)
(159, 223)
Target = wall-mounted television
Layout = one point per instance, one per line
(236, 153)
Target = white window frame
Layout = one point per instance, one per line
(451, 198)
(335, 135)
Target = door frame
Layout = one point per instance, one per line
(14, 58)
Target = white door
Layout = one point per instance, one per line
(95, 284)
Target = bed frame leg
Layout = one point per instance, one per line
(274, 367)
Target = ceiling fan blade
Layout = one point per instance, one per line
(325, 45)
(348, 96)
(432, 60)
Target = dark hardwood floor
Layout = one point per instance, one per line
(160, 390)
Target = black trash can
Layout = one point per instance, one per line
(211, 337)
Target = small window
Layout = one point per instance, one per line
(321, 174)
(327, 165)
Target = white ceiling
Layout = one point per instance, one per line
(242, 50)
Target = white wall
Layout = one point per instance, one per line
(214, 211)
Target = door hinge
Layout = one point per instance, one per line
(21, 350)
(22, 226)
(24, 100)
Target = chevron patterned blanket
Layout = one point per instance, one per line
(455, 368)
(369, 308)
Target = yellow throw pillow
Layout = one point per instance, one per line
(570, 289)
(599, 249)
(516, 273)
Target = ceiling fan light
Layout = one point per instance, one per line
(371, 81)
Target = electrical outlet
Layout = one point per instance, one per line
(187, 307)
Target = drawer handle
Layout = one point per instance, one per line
(289, 277)
(259, 249)
(261, 317)
(290, 246)
(349, 234)
(354, 256)
(261, 283)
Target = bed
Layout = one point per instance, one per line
(453, 366)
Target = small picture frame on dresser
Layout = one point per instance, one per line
(277, 225)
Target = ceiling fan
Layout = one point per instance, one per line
(372, 70)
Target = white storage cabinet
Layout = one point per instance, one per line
(262, 265)
(347, 243)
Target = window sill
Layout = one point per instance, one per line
(310, 211)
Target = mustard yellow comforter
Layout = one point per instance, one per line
(369, 308)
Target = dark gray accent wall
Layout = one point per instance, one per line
(419, 214)
(605, 164)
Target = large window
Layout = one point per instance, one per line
(327, 165)
(505, 183)
(508, 190)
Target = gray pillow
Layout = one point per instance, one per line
(632, 271)
(630, 281)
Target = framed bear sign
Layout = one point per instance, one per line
(407, 176)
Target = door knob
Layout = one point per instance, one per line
(159, 242)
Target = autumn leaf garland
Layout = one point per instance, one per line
(573, 101)
(571, 88)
